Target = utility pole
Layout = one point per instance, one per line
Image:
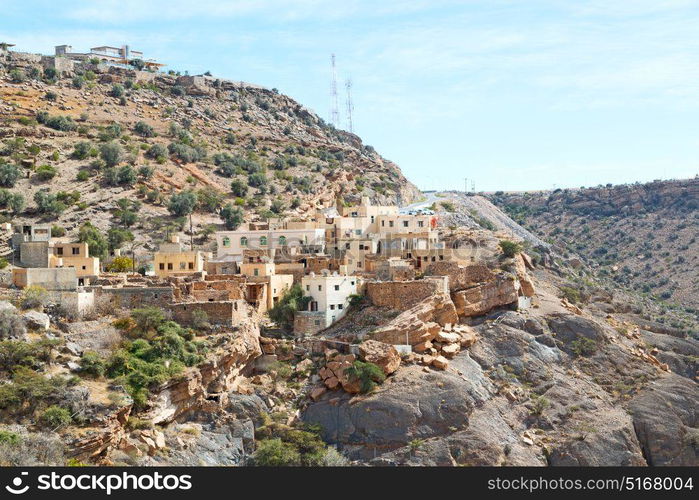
(465, 185)
(334, 112)
(191, 233)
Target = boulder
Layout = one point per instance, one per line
(448, 337)
(420, 323)
(480, 299)
(7, 306)
(36, 320)
(451, 350)
(440, 362)
(525, 282)
(384, 355)
(317, 392)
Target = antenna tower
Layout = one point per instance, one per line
(334, 112)
(350, 105)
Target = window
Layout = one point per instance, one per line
(183, 266)
(308, 288)
(59, 250)
(405, 223)
(282, 241)
(227, 241)
(169, 266)
(383, 223)
(332, 307)
(84, 267)
(340, 306)
(256, 272)
(191, 265)
(243, 241)
(320, 288)
(347, 246)
(420, 223)
(361, 247)
(358, 232)
(162, 266)
(76, 251)
(263, 241)
(352, 283)
(390, 223)
(337, 287)
(355, 214)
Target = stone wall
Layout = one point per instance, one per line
(461, 277)
(402, 295)
(308, 322)
(52, 279)
(134, 297)
(223, 313)
(34, 253)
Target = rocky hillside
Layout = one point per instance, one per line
(640, 237)
(91, 137)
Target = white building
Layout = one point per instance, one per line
(291, 240)
(329, 295)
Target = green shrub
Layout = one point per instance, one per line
(92, 364)
(29, 389)
(239, 188)
(11, 325)
(82, 150)
(117, 90)
(369, 375)
(157, 152)
(62, 123)
(144, 130)
(276, 453)
(54, 416)
(584, 346)
(3, 263)
(82, 176)
(9, 174)
(573, 295)
(46, 172)
(111, 153)
(448, 206)
(34, 296)
(57, 231)
(510, 248)
(9, 438)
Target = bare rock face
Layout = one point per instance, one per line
(480, 299)
(36, 320)
(208, 384)
(384, 355)
(666, 419)
(525, 282)
(420, 323)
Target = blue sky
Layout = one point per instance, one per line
(511, 94)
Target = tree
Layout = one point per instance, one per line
(284, 310)
(111, 153)
(210, 199)
(97, 243)
(116, 237)
(232, 216)
(120, 264)
(8, 175)
(48, 203)
(183, 203)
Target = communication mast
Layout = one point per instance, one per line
(334, 112)
(350, 105)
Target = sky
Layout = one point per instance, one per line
(511, 95)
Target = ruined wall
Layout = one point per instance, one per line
(402, 295)
(228, 313)
(133, 297)
(308, 322)
(461, 277)
(34, 253)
